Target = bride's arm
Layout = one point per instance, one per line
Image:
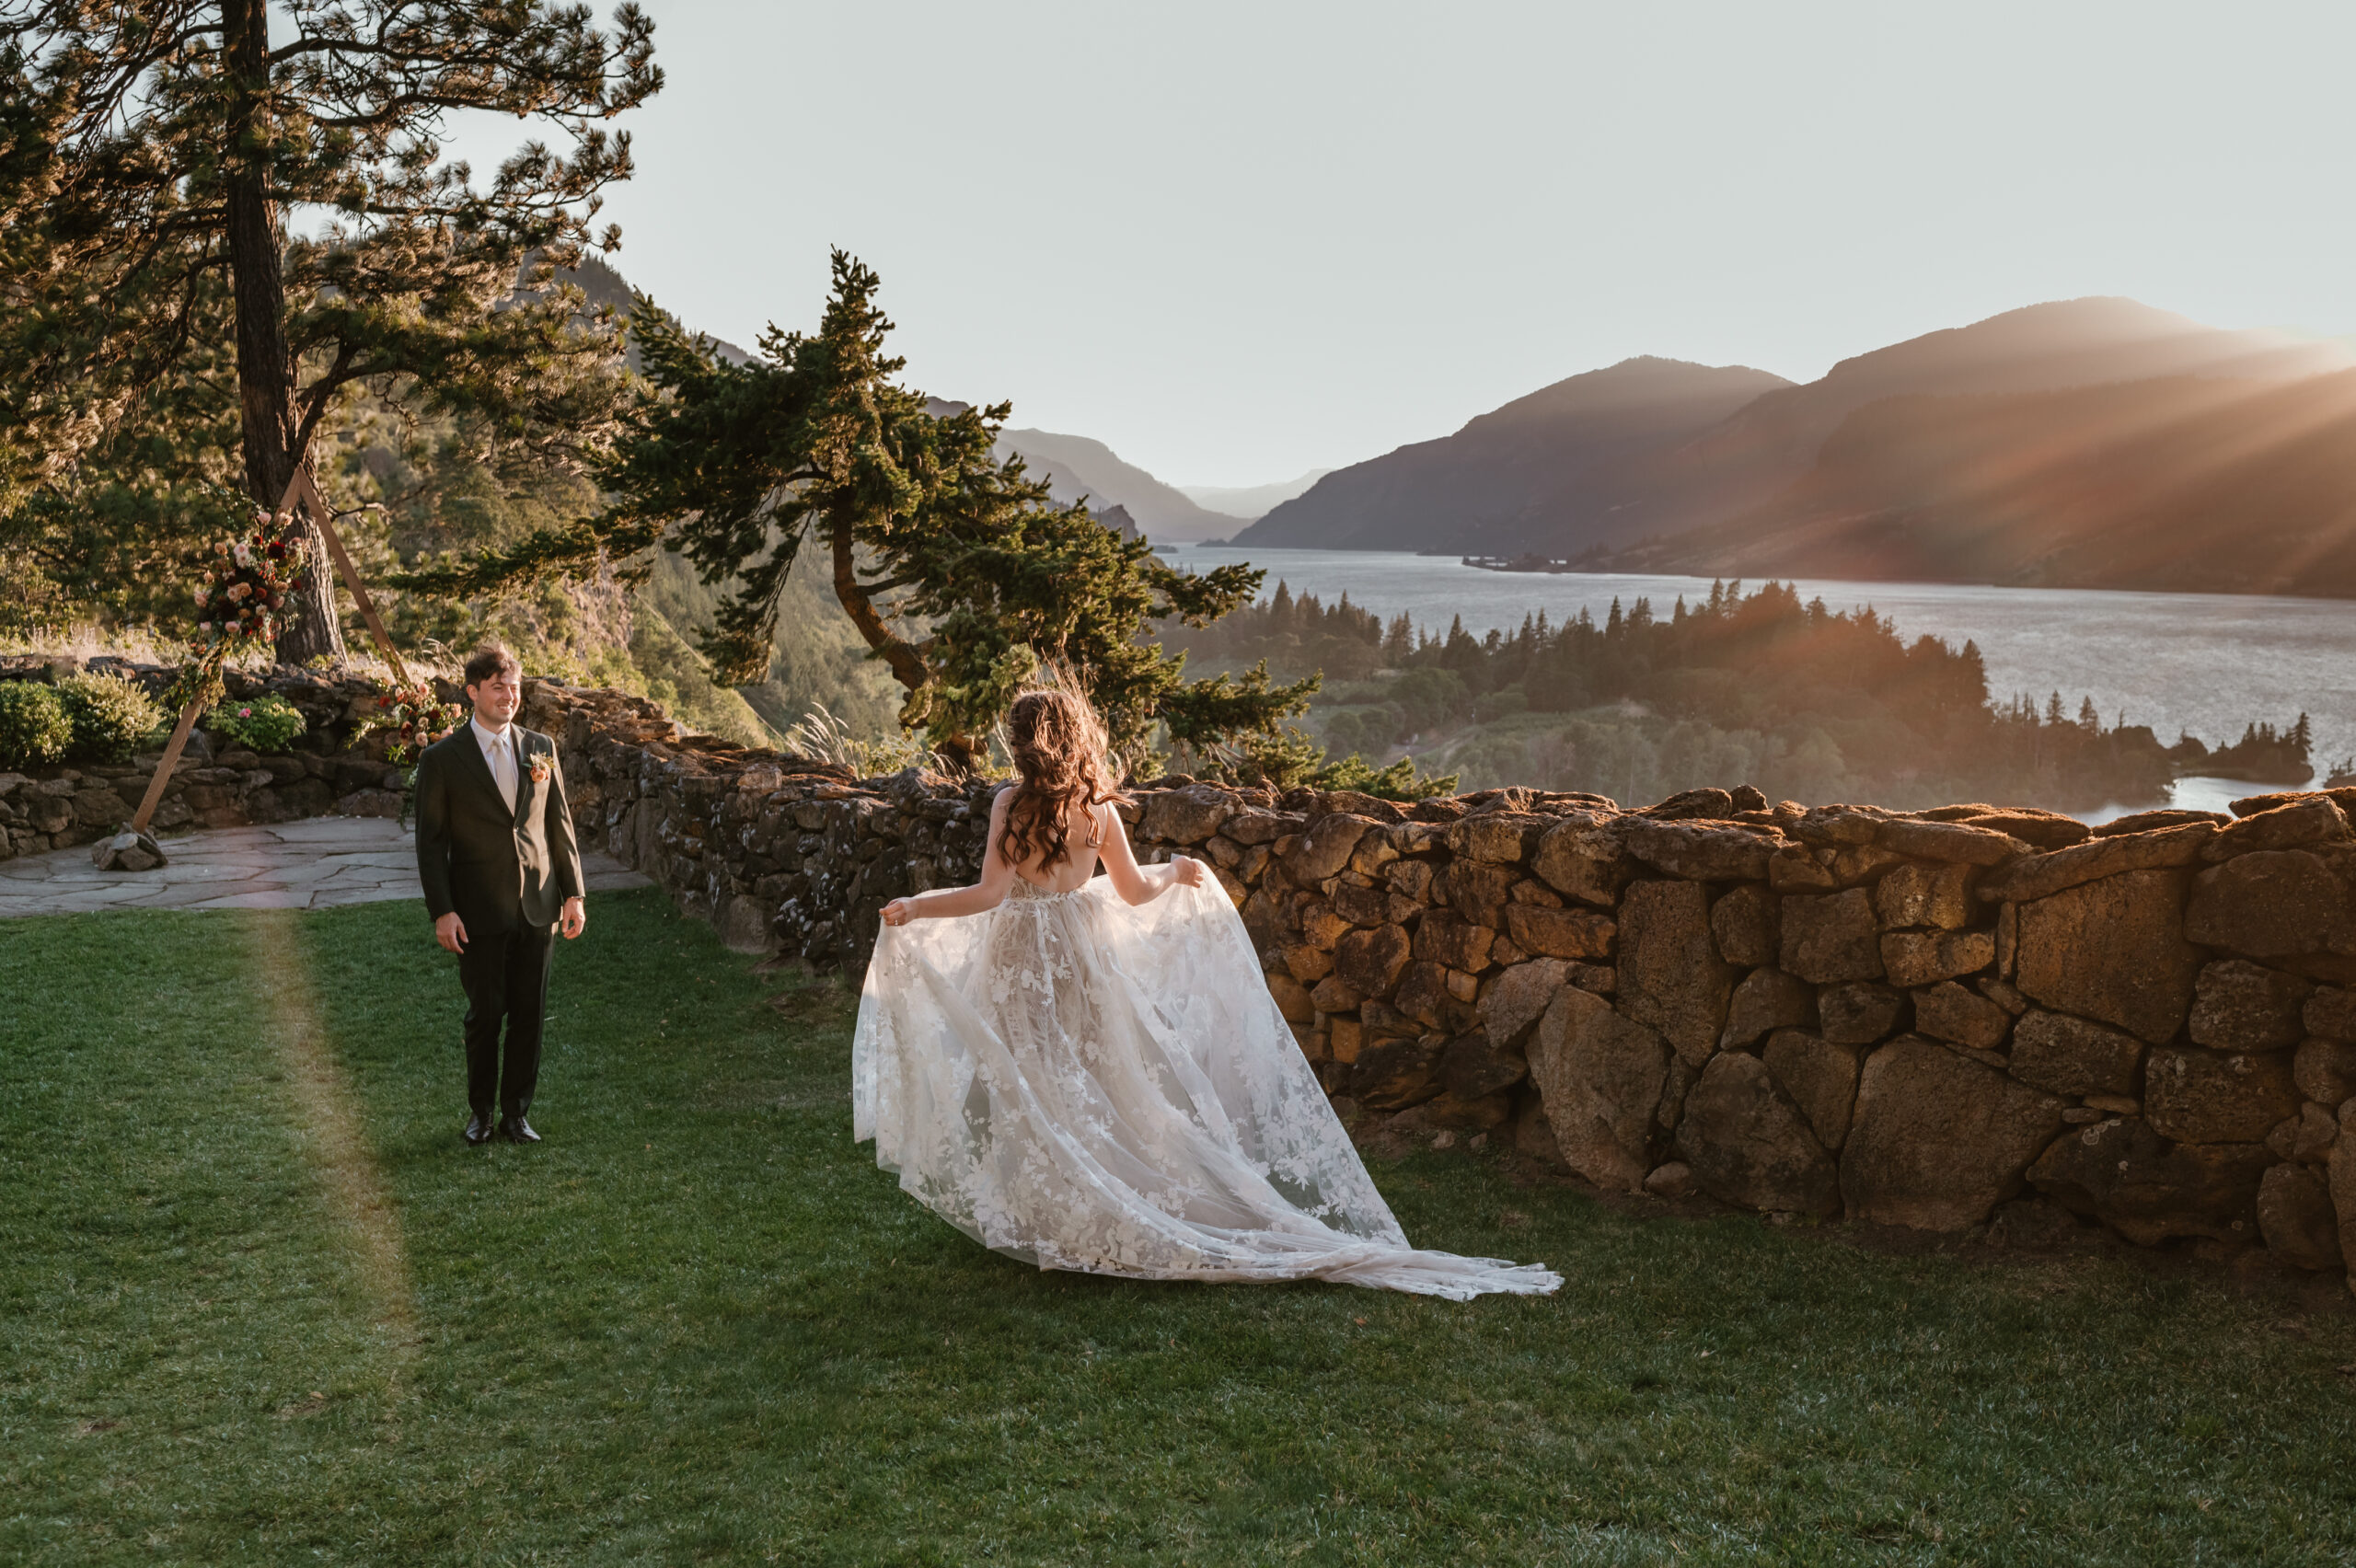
(1135, 883)
(998, 875)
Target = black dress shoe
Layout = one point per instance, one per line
(477, 1130)
(515, 1129)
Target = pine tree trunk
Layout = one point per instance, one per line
(964, 754)
(265, 363)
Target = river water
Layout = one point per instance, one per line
(2208, 663)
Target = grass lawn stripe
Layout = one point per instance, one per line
(333, 1132)
(698, 1325)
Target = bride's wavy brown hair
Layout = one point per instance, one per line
(1058, 746)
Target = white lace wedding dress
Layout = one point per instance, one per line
(1084, 1085)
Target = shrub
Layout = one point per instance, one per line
(110, 717)
(33, 725)
(268, 724)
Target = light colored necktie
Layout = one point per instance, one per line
(502, 767)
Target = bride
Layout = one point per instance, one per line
(1088, 1073)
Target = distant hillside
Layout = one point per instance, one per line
(1590, 460)
(1252, 502)
(1075, 466)
(606, 286)
(1987, 452)
(2185, 483)
(2079, 342)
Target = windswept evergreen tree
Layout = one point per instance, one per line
(961, 573)
(159, 307)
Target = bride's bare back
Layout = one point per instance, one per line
(1091, 833)
(1058, 823)
(1084, 844)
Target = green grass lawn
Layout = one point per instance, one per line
(257, 1304)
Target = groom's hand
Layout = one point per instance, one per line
(576, 917)
(451, 933)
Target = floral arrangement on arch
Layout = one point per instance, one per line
(416, 717)
(248, 584)
(252, 580)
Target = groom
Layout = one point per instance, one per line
(496, 852)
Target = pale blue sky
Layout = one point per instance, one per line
(1237, 241)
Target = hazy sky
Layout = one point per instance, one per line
(1239, 241)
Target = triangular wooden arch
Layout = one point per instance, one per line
(303, 493)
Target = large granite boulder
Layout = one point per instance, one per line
(1950, 1011)
(1371, 961)
(1919, 895)
(1766, 1000)
(1472, 1067)
(2331, 1013)
(2198, 1096)
(2306, 1139)
(1951, 841)
(1600, 1077)
(2325, 1071)
(1444, 936)
(1187, 816)
(2112, 950)
(1744, 922)
(1436, 996)
(2041, 876)
(1820, 1077)
(2147, 1189)
(2069, 1056)
(1325, 849)
(1502, 839)
(2240, 1005)
(1478, 890)
(2317, 819)
(1391, 1075)
(1925, 958)
(1694, 852)
(1938, 1140)
(2272, 904)
(1583, 857)
(1747, 1144)
(1513, 1003)
(1832, 938)
(2295, 1215)
(1561, 933)
(1671, 975)
(1860, 1012)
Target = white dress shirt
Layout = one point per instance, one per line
(498, 751)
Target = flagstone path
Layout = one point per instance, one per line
(313, 864)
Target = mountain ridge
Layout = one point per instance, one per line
(1248, 503)
(1595, 445)
(1975, 451)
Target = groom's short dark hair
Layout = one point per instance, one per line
(491, 659)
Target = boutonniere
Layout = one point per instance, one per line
(541, 767)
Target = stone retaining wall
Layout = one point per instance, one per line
(60, 807)
(1943, 1020)
(1946, 1020)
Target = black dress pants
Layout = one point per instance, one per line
(507, 977)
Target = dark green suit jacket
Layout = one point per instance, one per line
(499, 869)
